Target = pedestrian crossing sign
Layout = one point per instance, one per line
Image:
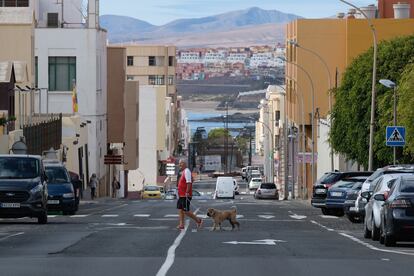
(395, 136)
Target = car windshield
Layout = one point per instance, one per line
(328, 178)
(343, 184)
(57, 175)
(357, 186)
(19, 168)
(407, 186)
(256, 180)
(151, 188)
(268, 186)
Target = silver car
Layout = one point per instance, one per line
(266, 190)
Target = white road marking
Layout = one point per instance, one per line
(370, 246)
(257, 242)
(169, 260)
(202, 216)
(239, 216)
(294, 216)
(171, 216)
(323, 226)
(13, 235)
(142, 215)
(79, 216)
(385, 260)
(110, 216)
(328, 217)
(266, 216)
(163, 219)
(51, 216)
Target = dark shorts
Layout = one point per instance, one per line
(184, 203)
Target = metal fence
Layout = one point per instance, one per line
(43, 135)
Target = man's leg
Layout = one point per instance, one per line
(181, 217)
(192, 216)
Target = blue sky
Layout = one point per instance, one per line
(159, 12)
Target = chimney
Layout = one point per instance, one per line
(370, 11)
(340, 15)
(351, 14)
(93, 14)
(401, 10)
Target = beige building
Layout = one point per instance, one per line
(338, 42)
(123, 116)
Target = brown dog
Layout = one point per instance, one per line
(219, 216)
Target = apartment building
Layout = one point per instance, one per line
(71, 57)
(154, 68)
(343, 40)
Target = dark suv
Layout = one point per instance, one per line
(23, 188)
(320, 188)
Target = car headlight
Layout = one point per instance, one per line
(36, 189)
(68, 195)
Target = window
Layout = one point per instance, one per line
(170, 80)
(129, 77)
(62, 73)
(52, 20)
(171, 61)
(14, 3)
(151, 61)
(156, 80)
(130, 61)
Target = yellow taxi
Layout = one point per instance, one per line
(152, 192)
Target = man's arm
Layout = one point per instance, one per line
(188, 181)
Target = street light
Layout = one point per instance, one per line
(373, 92)
(296, 44)
(392, 85)
(312, 112)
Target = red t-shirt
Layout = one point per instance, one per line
(185, 180)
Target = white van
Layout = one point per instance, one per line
(224, 187)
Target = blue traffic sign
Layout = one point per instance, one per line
(395, 136)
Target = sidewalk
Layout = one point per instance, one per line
(86, 198)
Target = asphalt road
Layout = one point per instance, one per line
(122, 237)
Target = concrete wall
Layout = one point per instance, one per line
(72, 15)
(131, 132)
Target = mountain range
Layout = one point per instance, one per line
(253, 26)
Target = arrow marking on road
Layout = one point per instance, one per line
(258, 242)
(294, 216)
(266, 216)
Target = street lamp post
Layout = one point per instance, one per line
(392, 85)
(373, 91)
(312, 113)
(296, 44)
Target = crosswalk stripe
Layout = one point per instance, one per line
(328, 217)
(142, 215)
(110, 216)
(52, 216)
(171, 216)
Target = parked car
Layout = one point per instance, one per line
(397, 214)
(151, 192)
(336, 196)
(199, 196)
(266, 190)
(359, 208)
(244, 173)
(224, 187)
(23, 187)
(171, 194)
(321, 186)
(255, 183)
(349, 204)
(61, 194)
(372, 219)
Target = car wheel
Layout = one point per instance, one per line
(354, 219)
(42, 219)
(389, 240)
(367, 233)
(375, 231)
(326, 211)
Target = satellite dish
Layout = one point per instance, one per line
(19, 147)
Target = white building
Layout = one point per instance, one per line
(237, 58)
(189, 57)
(185, 130)
(262, 59)
(71, 49)
(214, 57)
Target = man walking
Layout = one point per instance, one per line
(93, 183)
(185, 192)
